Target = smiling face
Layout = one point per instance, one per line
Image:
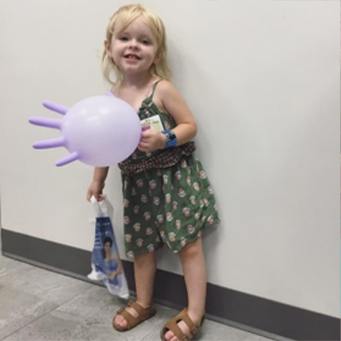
(134, 49)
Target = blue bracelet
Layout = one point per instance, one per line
(170, 138)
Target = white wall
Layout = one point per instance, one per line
(262, 78)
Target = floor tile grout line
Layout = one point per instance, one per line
(92, 285)
(46, 313)
(28, 323)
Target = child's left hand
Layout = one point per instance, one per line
(151, 140)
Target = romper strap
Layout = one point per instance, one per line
(154, 87)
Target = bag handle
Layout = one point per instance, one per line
(100, 207)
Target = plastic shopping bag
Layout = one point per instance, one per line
(105, 260)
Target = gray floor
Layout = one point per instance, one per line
(36, 305)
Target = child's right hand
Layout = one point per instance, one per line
(95, 189)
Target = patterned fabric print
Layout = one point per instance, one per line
(141, 199)
(168, 206)
(140, 161)
(165, 159)
(148, 108)
(189, 203)
(164, 205)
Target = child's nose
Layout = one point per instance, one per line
(133, 43)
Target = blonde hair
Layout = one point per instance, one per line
(124, 16)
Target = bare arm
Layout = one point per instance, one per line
(172, 101)
(97, 184)
(175, 105)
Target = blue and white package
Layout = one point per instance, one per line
(105, 261)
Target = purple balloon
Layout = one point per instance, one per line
(99, 131)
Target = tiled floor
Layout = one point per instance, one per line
(37, 305)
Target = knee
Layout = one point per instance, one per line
(192, 249)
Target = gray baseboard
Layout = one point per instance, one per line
(258, 315)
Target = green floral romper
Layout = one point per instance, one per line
(167, 197)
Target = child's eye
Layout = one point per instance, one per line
(123, 38)
(146, 41)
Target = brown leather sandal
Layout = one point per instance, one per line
(132, 321)
(172, 325)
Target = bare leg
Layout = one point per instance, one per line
(194, 268)
(144, 271)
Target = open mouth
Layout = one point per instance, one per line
(132, 56)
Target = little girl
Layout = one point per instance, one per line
(167, 196)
